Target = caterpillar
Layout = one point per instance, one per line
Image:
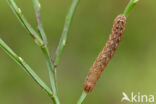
(106, 54)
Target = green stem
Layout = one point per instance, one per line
(37, 38)
(129, 7)
(37, 7)
(51, 73)
(82, 98)
(63, 38)
(28, 69)
(22, 19)
(46, 51)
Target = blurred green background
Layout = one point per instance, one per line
(133, 68)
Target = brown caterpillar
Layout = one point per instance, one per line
(106, 54)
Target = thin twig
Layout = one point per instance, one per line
(37, 7)
(129, 7)
(35, 35)
(27, 68)
(63, 38)
(46, 51)
(22, 19)
(83, 96)
(51, 73)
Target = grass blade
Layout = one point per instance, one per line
(22, 19)
(37, 7)
(63, 38)
(129, 7)
(83, 96)
(46, 51)
(51, 73)
(27, 68)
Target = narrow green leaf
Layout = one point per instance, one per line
(37, 7)
(23, 20)
(129, 7)
(27, 68)
(64, 35)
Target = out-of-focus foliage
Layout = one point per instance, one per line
(132, 68)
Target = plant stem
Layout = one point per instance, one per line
(46, 51)
(63, 38)
(27, 68)
(83, 96)
(22, 19)
(129, 7)
(51, 73)
(37, 38)
(37, 7)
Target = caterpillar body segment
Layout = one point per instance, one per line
(106, 54)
